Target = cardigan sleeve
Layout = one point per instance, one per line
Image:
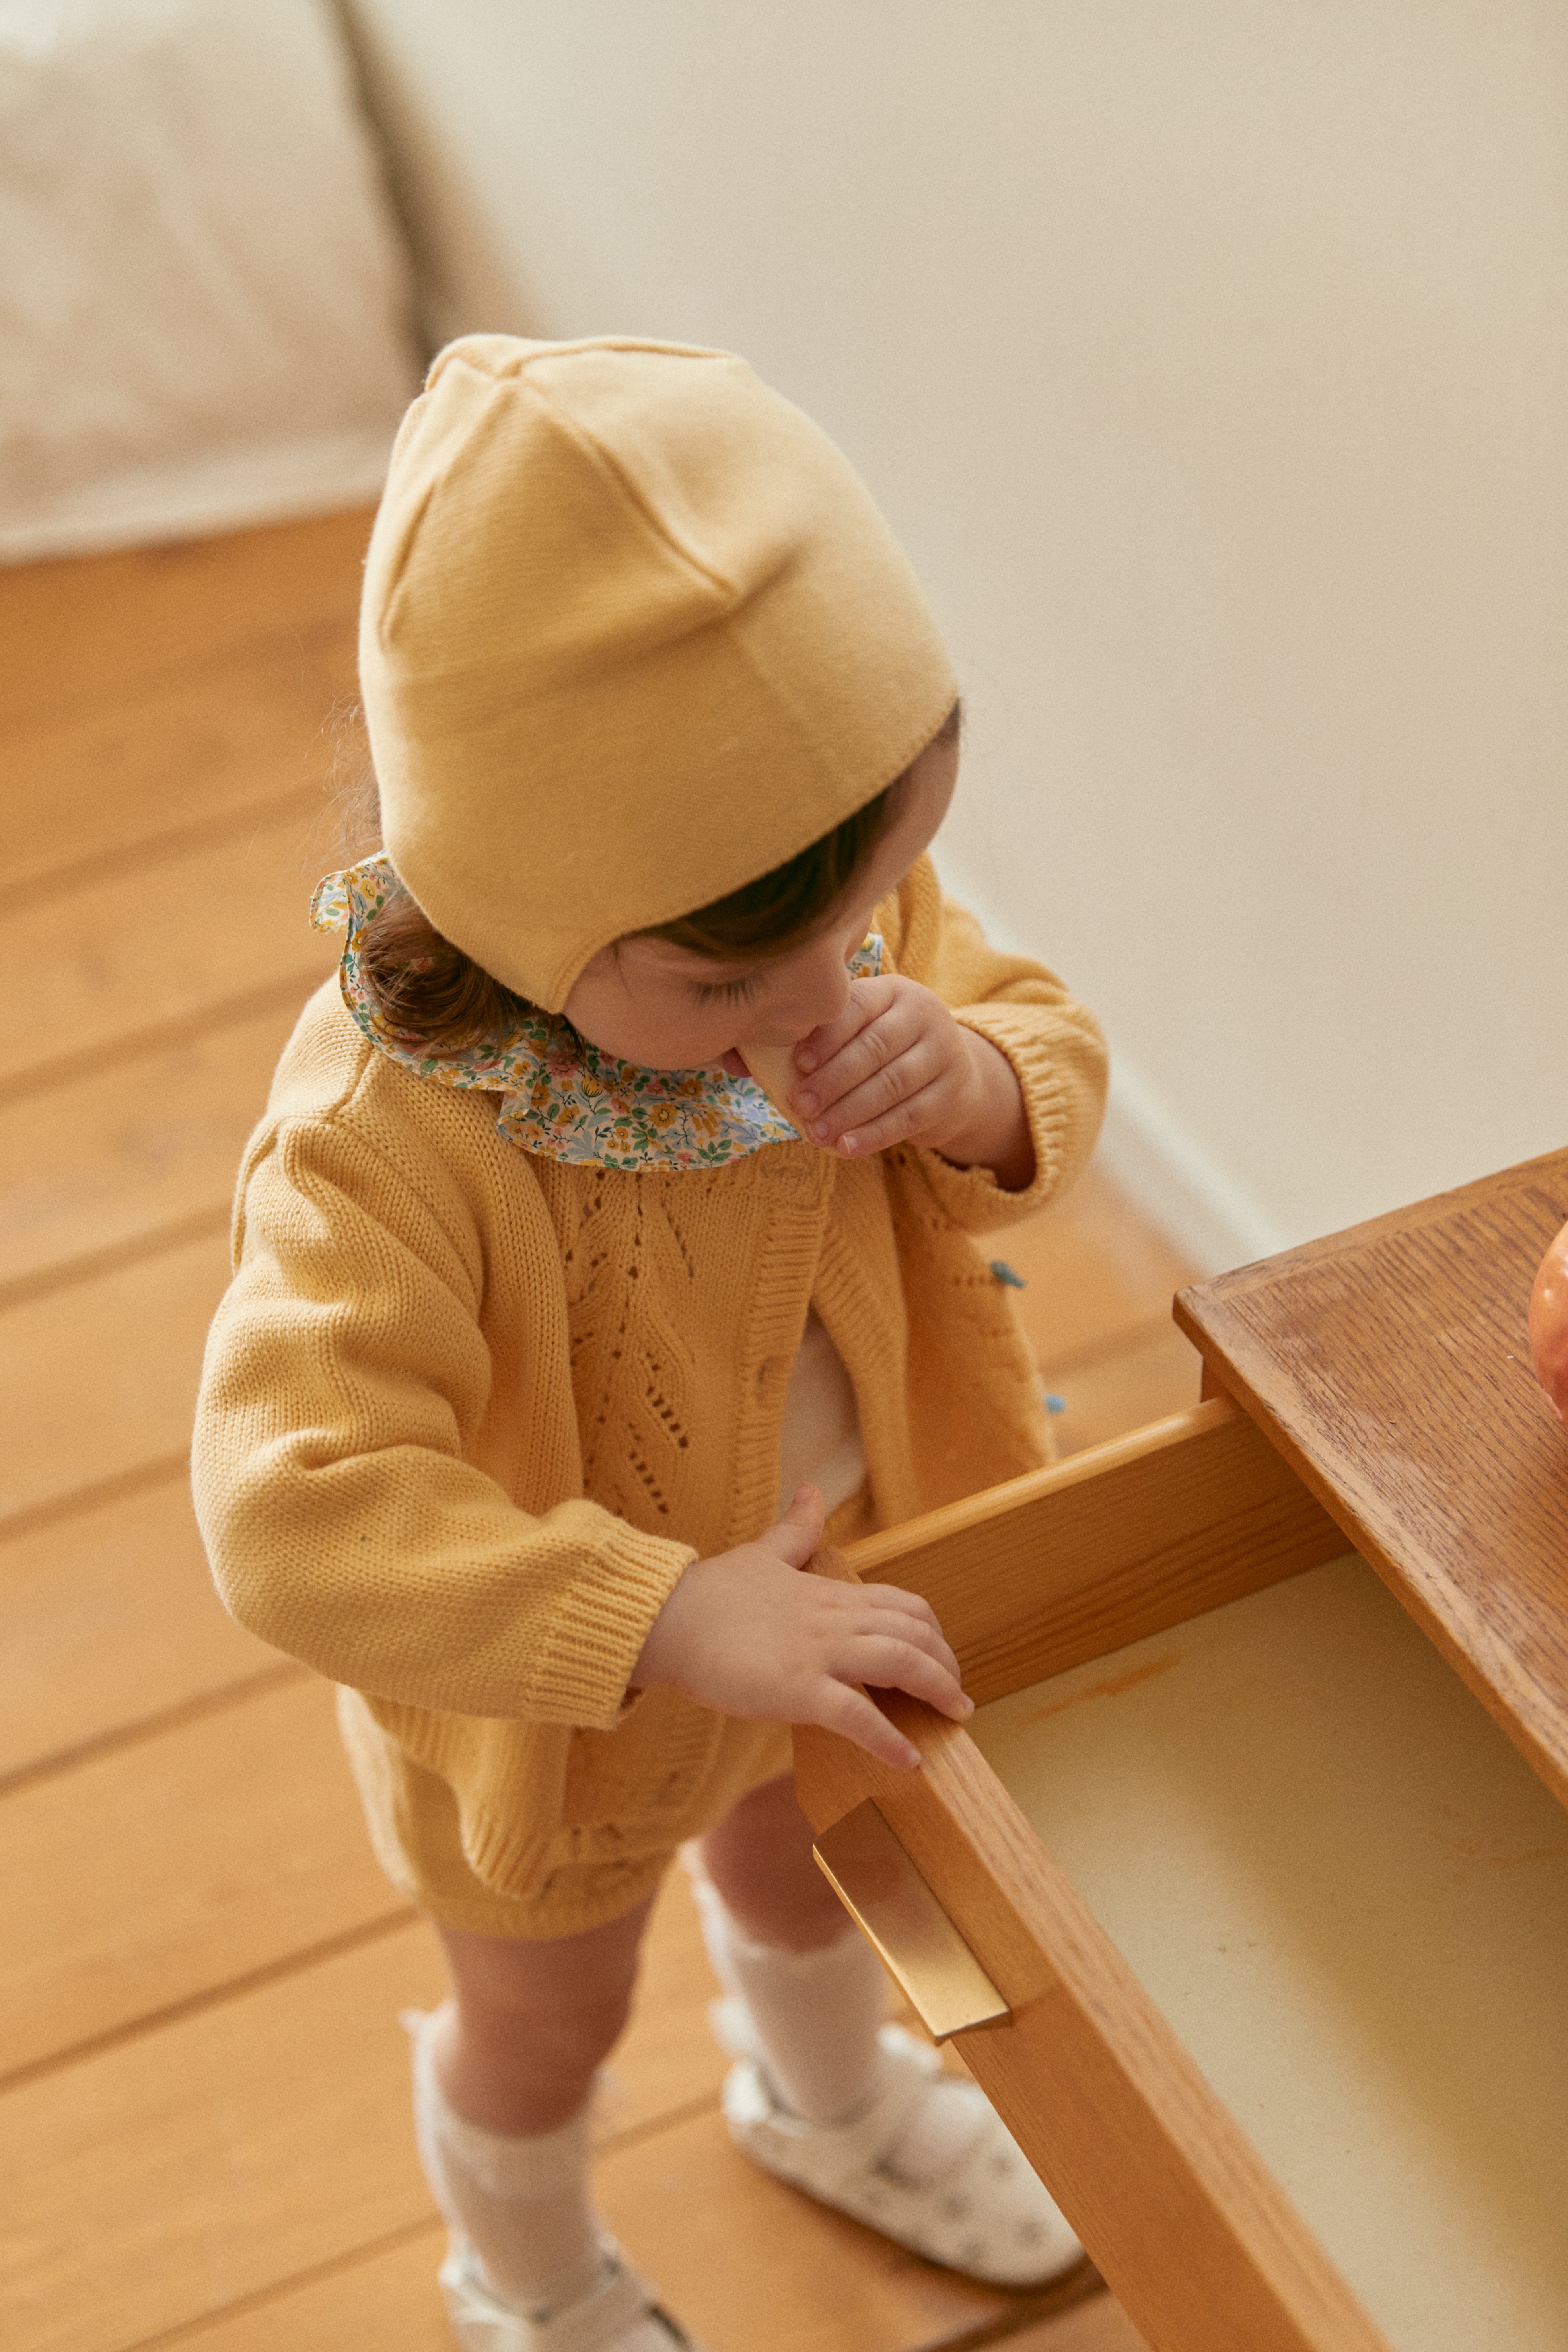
(1056, 1047)
(346, 1377)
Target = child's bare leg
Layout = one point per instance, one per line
(502, 2074)
(530, 2023)
(760, 1860)
(812, 1994)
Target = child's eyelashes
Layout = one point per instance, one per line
(725, 992)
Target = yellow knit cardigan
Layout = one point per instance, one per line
(466, 1413)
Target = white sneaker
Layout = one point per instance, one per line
(622, 2314)
(964, 2194)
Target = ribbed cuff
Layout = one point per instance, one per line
(603, 1621)
(1061, 1075)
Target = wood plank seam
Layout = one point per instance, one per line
(97, 1491)
(264, 815)
(667, 2120)
(156, 1241)
(1033, 2307)
(409, 2234)
(136, 1734)
(214, 1996)
(1026, 2310)
(222, 1013)
(59, 702)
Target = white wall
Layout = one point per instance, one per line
(1210, 359)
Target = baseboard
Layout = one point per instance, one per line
(1151, 1157)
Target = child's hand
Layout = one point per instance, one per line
(896, 1067)
(747, 1634)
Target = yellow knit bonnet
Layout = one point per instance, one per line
(633, 633)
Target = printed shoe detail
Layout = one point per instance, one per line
(983, 2210)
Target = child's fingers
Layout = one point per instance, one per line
(851, 1092)
(799, 1533)
(889, 1664)
(916, 1622)
(854, 1717)
(856, 1129)
(868, 1057)
(893, 1596)
(868, 999)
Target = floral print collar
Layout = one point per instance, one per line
(560, 1094)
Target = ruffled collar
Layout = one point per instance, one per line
(559, 1095)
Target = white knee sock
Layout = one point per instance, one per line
(810, 2019)
(521, 2202)
(813, 2015)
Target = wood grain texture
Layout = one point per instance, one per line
(101, 1378)
(108, 1621)
(379, 2295)
(110, 1161)
(88, 627)
(749, 2264)
(188, 2169)
(178, 1864)
(195, 751)
(1389, 1365)
(145, 950)
(1069, 1562)
(736, 2254)
(1188, 2225)
(170, 2176)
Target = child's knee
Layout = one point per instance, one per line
(581, 1985)
(766, 1819)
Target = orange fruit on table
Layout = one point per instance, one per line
(1549, 1326)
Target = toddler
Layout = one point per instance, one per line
(555, 1338)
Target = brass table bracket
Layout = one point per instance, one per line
(896, 1911)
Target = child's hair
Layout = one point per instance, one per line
(423, 985)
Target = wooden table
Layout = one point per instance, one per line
(1251, 1919)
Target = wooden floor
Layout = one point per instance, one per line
(204, 2131)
